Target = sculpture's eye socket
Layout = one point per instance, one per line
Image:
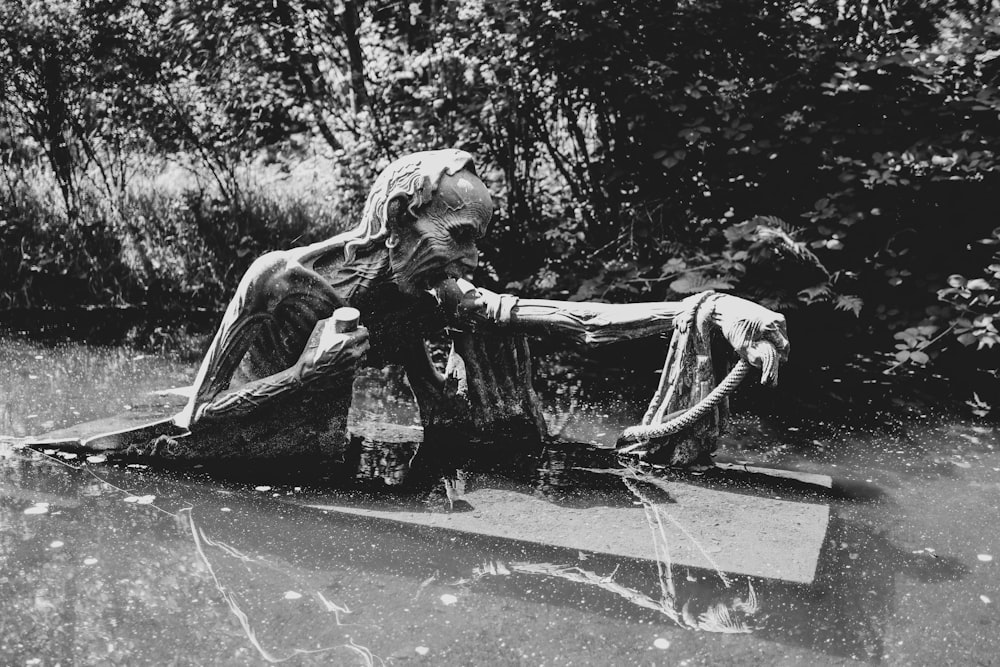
(463, 234)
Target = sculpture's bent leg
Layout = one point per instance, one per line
(495, 371)
(482, 409)
(690, 372)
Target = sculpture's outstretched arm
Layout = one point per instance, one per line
(584, 323)
(277, 333)
(592, 323)
(756, 333)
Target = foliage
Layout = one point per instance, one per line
(833, 159)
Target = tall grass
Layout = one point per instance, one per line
(171, 239)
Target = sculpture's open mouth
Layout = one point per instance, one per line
(432, 278)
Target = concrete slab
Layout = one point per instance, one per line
(739, 534)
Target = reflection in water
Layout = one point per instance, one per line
(268, 571)
(199, 570)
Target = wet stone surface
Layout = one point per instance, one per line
(108, 564)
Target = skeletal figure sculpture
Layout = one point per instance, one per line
(277, 378)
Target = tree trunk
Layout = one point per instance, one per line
(352, 22)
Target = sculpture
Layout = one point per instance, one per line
(277, 377)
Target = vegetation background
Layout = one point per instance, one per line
(835, 160)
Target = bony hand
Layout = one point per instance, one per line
(330, 353)
(757, 334)
(765, 355)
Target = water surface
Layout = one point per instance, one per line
(105, 564)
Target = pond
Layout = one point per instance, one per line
(131, 565)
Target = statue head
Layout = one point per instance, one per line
(429, 208)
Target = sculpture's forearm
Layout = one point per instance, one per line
(592, 323)
(248, 397)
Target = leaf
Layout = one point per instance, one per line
(587, 289)
(978, 285)
(968, 338)
(849, 303)
(816, 291)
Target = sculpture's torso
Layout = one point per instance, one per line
(305, 285)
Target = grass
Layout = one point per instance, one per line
(174, 237)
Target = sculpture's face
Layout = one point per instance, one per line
(441, 241)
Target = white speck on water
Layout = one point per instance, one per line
(97, 458)
(449, 599)
(55, 544)
(66, 455)
(38, 508)
(262, 488)
(292, 595)
(422, 650)
(225, 509)
(985, 599)
(89, 561)
(145, 500)
(130, 499)
(33, 661)
(661, 643)
(986, 558)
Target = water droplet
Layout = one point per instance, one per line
(55, 544)
(225, 509)
(985, 599)
(262, 488)
(422, 650)
(38, 508)
(986, 558)
(661, 643)
(89, 561)
(448, 599)
(292, 595)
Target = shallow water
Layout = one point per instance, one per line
(105, 564)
